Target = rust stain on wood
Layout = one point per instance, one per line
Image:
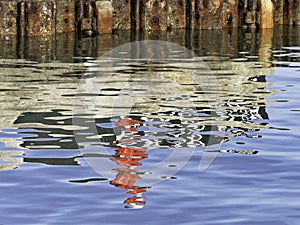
(40, 19)
(208, 13)
(45, 17)
(65, 16)
(104, 12)
(8, 17)
(176, 14)
(154, 15)
(121, 15)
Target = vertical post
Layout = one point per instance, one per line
(154, 15)
(288, 12)
(40, 18)
(135, 14)
(230, 15)
(242, 9)
(104, 13)
(266, 13)
(87, 19)
(250, 15)
(22, 20)
(210, 14)
(121, 15)
(79, 15)
(191, 6)
(176, 14)
(296, 12)
(65, 16)
(278, 14)
(8, 17)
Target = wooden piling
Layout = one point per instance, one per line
(8, 18)
(135, 14)
(154, 15)
(266, 13)
(47, 17)
(296, 12)
(230, 14)
(65, 16)
(22, 19)
(121, 15)
(190, 14)
(176, 14)
(40, 18)
(278, 12)
(209, 14)
(104, 12)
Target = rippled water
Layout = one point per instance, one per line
(87, 139)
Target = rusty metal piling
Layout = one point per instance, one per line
(47, 17)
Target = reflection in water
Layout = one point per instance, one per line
(37, 95)
(129, 157)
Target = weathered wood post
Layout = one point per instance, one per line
(230, 13)
(251, 18)
(190, 14)
(65, 16)
(40, 17)
(154, 16)
(296, 12)
(176, 14)
(121, 14)
(278, 11)
(8, 18)
(209, 14)
(104, 12)
(85, 20)
(136, 14)
(266, 13)
(47, 17)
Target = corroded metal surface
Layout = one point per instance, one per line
(190, 14)
(176, 14)
(40, 18)
(296, 12)
(135, 14)
(121, 14)
(287, 12)
(278, 17)
(44, 17)
(8, 17)
(266, 13)
(154, 15)
(83, 17)
(65, 16)
(104, 13)
(208, 13)
(230, 13)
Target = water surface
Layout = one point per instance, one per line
(250, 122)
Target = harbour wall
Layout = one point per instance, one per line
(47, 17)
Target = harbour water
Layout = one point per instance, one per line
(199, 127)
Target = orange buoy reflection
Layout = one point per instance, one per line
(130, 157)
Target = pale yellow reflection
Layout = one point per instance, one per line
(265, 46)
(10, 159)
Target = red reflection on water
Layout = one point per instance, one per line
(129, 157)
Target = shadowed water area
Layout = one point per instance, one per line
(87, 134)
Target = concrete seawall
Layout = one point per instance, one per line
(46, 17)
